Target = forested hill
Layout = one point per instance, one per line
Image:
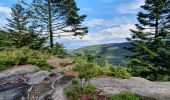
(114, 52)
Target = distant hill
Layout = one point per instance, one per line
(113, 53)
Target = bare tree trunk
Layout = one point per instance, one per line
(50, 24)
(156, 34)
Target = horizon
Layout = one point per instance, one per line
(108, 21)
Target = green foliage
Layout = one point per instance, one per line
(19, 33)
(89, 70)
(58, 50)
(123, 96)
(96, 59)
(89, 88)
(23, 56)
(5, 41)
(86, 70)
(76, 90)
(105, 71)
(120, 72)
(150, 42)
(54, 17)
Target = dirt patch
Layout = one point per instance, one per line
(94, 96)
(56, 62)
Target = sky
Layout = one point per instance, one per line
(108, 21)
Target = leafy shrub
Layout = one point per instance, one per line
(123, 96)
(89, 88)
(86, 70)
(77, 90)
(105, 71)
(119, 72)
(58, 50)
(23, 56)
(5, 61)
(89, 70)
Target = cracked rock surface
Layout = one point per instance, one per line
(141, 87)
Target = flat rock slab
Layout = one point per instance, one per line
(21, 70)
(37, 77)
(138, 86)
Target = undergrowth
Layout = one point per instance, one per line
(23, 56)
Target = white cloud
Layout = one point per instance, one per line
(5, 10)
(130, 8)
(121, 31)
(94, 22)
(107, 35)
(103, 31)
(104, 23)
(86, 9)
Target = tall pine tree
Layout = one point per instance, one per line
(20, 33)
(150, 40)
(17, 24)
(57, 18)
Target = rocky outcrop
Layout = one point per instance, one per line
(37, 77)
(21, 70)
(145, 89)
(15, 83)
(30, 83)
(13, 91)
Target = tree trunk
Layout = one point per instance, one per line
(156, 35)
(50, 24)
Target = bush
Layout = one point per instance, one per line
(89, 70)
(119, 72)
(77, 90)
(123, 96)
(86, 70)
(23, 56)
(89, 88)
(58, 50)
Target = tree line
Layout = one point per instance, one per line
(41, 22)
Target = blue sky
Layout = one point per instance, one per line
(109, 21)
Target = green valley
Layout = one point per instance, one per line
(114, 53)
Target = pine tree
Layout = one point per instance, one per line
(5, 41)
(20, 33)
(149, 40)
(17, 24)
(57, 18)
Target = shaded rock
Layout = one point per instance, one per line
(59, 86)
(145, 89)
(21, 70)
(14, 91)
